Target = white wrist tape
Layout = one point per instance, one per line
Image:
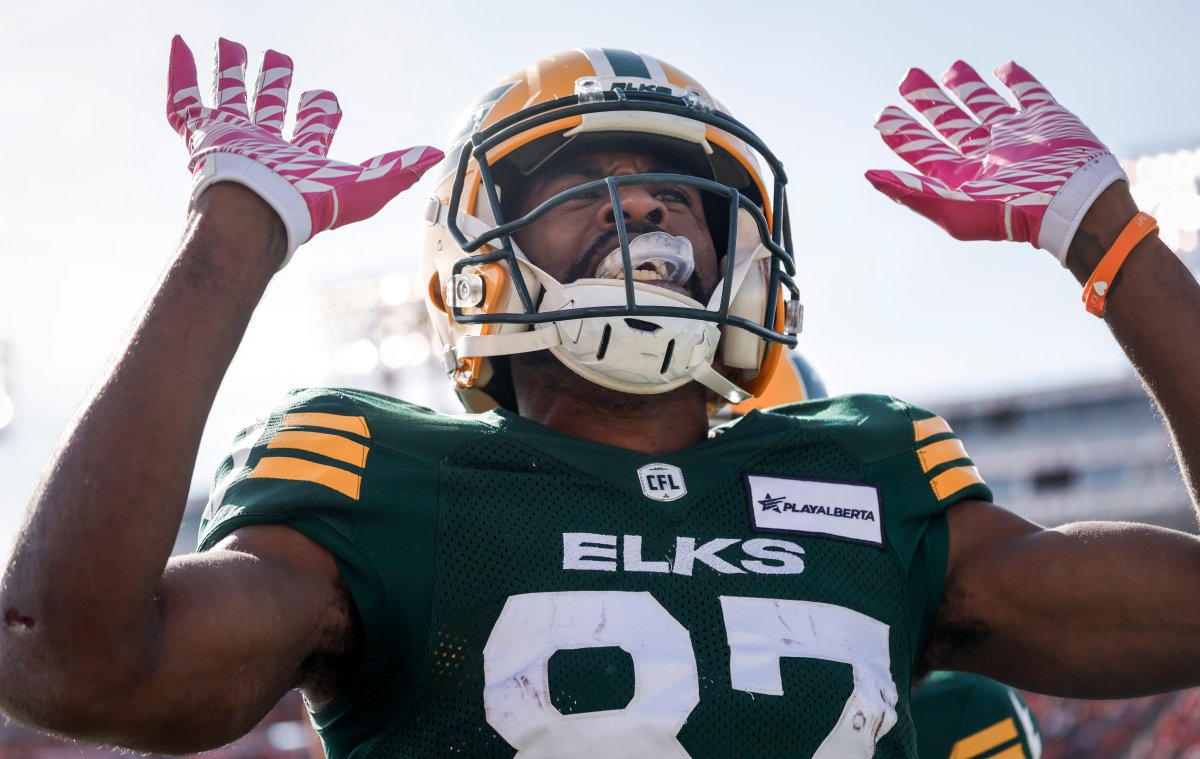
(272, 188)
(1076, 196)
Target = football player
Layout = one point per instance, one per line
(577, 568)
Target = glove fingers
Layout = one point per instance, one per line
(931, 101)
(1029, 91)
(415, 161)
(962, 216)
(910, 140)
(183, 94)
(383, 178)
(317, 121)
(229, 79)
(980, 99)
(271, 91)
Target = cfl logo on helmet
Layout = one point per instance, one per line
(662, 482)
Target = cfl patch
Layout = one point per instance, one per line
(842, 510)
(662, 482)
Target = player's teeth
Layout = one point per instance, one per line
(646, 276)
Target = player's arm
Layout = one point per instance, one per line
(99, 639)
(222, 651)
(1089, 610)
(93, 626)
(1096, 609)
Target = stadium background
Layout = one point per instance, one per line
(93, 199)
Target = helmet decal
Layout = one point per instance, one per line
(609, 62)
(474, 115)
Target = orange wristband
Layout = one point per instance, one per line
(1099, 284)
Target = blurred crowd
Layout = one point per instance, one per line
(1155, 727)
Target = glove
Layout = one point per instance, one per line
(1001, 173)
(310, 192)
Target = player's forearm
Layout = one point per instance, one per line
(79, 594)
(1153, 311)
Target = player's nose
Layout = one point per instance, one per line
(639, 205)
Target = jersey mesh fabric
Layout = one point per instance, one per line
(503, 510)
(457, 515)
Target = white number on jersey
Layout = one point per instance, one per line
(760, 631)
(763, 630)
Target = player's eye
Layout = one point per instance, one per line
(590, 196)
(673, 194)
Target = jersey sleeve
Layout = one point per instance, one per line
(942, 474)
(303, 466)
(923, 468)
(325, 463)
(951, 474)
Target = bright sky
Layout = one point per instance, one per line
(95, 187)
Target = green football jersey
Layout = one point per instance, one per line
(764, 593)
(962, 716)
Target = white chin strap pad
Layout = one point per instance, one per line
(641, 355)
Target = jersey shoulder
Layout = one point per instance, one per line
(896, 435)
(315, 454)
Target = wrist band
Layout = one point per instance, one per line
(1099, 284)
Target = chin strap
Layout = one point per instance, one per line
(543, 336)
(546, 336)
(714, 381)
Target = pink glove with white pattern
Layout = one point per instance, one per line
(310, 192)
(1027, 175)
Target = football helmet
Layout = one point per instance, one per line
(487, 299)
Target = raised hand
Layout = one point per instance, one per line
(234, 141)
(998, 172)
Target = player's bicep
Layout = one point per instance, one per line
(1109, 604)
(240, 626)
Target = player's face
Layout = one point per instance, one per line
(571, 241)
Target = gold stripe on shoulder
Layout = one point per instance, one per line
(953, 480)
(323, 443)
(924, 428)
(340, 422)
(288, 468)
(1012, 752)
(985, 740)
(933, 454)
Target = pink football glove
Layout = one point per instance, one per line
(310, 192)
(1006, 174)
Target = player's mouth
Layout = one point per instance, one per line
(658, 259)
